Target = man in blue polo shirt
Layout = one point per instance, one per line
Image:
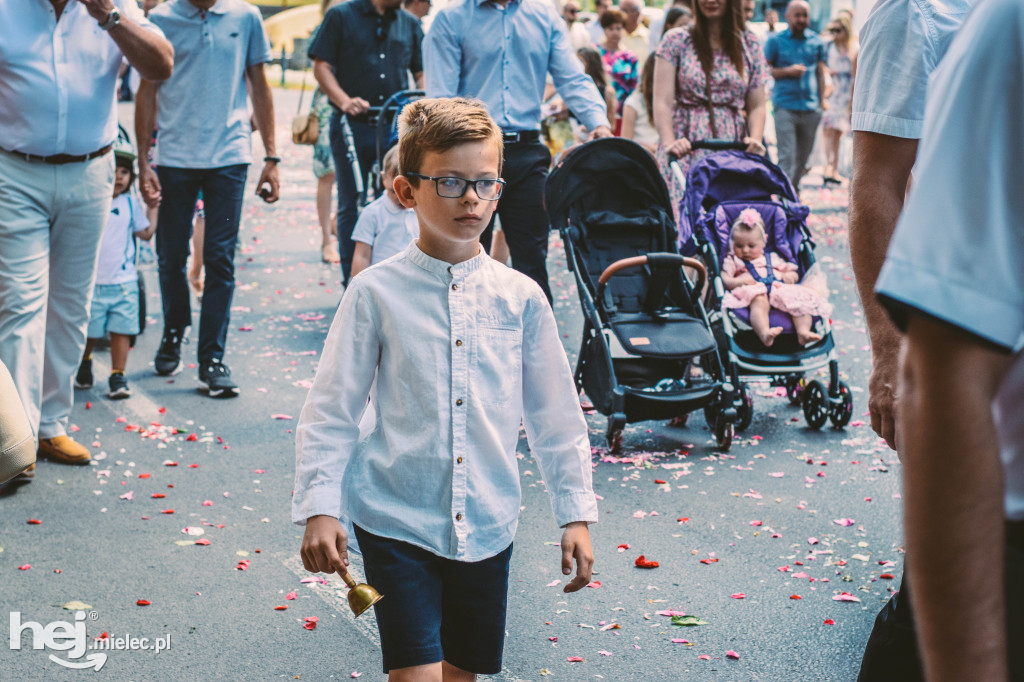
(362, 54)
(500, 51)
(205, 144)
(798, 61)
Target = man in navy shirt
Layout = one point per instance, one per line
(362, 55)
(797, 57)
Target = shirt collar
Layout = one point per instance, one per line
(189, 10)
(483, 2)
(366, 7)
(440, 267)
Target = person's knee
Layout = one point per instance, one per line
(430, 672)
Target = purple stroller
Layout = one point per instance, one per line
(717, 188)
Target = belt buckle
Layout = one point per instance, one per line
(510, 136)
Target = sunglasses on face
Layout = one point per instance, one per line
(573, 12)
(835, 30)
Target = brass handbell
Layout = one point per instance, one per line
(361, 596)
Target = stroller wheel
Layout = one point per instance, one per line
(711, 414)
(745, 412)
(816, 404)
(795, 384)
(842, 412)
(724, 431)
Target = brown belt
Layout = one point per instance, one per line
(60, 159)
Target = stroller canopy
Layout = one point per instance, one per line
(607, 174)
(732, 176)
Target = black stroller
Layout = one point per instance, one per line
(717, 188)
(647, 350)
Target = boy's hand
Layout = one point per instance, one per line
(576, 545)
(325, 545)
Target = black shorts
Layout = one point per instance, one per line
(434, 608)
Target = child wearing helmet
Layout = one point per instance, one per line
(115, 301)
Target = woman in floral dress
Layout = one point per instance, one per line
(709, 82)
(836, 120)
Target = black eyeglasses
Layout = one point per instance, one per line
(448, 187)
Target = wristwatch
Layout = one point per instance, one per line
(112, 20)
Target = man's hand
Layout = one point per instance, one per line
(796, 70)
(98, 9)
(149, 184)
(882, 396)
(324, 546)
(600, 131)
(576, 545)
(354, 106)
(268, 188)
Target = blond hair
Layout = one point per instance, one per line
(389, 164)
(437, 125)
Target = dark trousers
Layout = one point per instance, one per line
(892, 655)
(521, 209)
(365, 138)
(223, 192)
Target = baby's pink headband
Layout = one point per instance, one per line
(750, 217)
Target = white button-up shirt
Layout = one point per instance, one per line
(460, 354)
(58, 77)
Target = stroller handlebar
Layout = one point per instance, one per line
(656, 260)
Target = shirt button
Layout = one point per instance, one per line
(382, 56)
(458, 517)
(458, 461)
(459, 401)
(458, 342)
(382, 76)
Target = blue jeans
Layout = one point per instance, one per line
(223, 190)
(365, 137)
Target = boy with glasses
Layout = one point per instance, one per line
(459, 350)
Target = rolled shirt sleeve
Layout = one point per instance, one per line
(958, 250)
(555, 427)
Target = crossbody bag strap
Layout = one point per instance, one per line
(302, 91)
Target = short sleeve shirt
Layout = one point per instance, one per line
(202, 109)
(782, 50)
(386, 227)
(958, 250)
(901, 43)
(372, 54)
(117, 247)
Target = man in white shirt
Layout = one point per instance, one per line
(59, 62)
(594, 25)
(578, 35)
(902, 42)
(954, 281)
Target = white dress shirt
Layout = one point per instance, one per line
(58, 77)
(459, 355)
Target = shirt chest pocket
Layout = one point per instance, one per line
(497, 365)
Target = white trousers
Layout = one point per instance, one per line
(51, 221)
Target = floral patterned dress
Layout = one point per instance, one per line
(728, 96)
(837, 117)
(625, 72)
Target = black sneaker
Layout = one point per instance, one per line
(119, 389)
(168, 357)
(84, 377)
(217, 377)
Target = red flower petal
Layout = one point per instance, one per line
(280, 608)
(34, 522)
(642, 562)
(143, 602)
(167, 511)
(795, 596)
(829, 621)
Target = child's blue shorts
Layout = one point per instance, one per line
(115, 308)
(435, 608)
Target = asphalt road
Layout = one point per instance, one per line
(790, 519)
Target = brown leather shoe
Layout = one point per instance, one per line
(64, 449)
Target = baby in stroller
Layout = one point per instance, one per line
(762, 280)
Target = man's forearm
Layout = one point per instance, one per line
(150, 53)
(328, 83)
(881, 169)
(263, 107)
(953, 487)
(145, 119)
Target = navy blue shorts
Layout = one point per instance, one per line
(437, 609)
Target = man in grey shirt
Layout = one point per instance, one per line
(205, 145)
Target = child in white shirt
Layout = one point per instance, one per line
(115, 301)
(385, 227)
